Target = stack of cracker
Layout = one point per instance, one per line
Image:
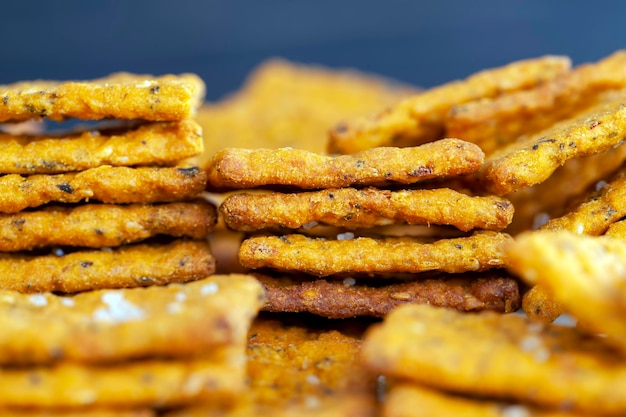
(368, 274)
(99, 213)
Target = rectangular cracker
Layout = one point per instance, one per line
(352, 298)
(128, 266)
(492, 123)
(586, 275)
(506, 357)
(119, 96)
(533, 160)
(250, 168)
(413, 400)
(148, 144)
(215, 377)
(178, 320)
(356, 208)
(479, 252)
(420, 118)
(105, 184)
(104, 225)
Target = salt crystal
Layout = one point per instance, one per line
(118, 309)
(210, 288)
(39, 300)
(67, 301)
(349, 282)
(345, 236)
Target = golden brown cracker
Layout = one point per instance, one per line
(114, 325)
(420, 118)
(105, 184)
(506, 357)
(598, 211)
(534, 159)
(248, 168)
(585, 274)
(479, 252)
(617, 230)
(349, 298)
(536, 205)
(413, 400)
(216, 377)
(148, 144)
(539, 304)
(287, 104)
(104, 225)
(84, 412)
(120, 96)
(494, 122)
(360, 208)
(128, 266)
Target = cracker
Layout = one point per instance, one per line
(506, 357)
(215, 377)
(598, 211)
(537, 204)
(421, 118)
(85, 412)
(104, 225)
(349, 298)
(539, 304)
(534, 159)
(479, 252)
(119, 96)
(353, 208)
(114, 325)
(148, 144)
(413, 400)
(128, 266)
(287, 104)
(248, 168)
(585, 274)
(106, 184)
(492, 123)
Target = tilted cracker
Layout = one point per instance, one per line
(105, 184)
(104, 225)
(216, 377)
(479, 252)
(534, 159)
(248, 168)
(350, 298)
(494, 122)
(113, 325)
(507, 357)
(536, 205)
(539, 304)
(414, 400)
(421, 118)
(148, 144)
(597, 212)
(118, 96)
(585, 274)
(353, 208)
(128, 266)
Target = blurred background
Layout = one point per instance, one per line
(419, 42)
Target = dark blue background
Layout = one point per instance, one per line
(424, 43)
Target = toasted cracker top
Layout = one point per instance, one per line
(120, 95)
